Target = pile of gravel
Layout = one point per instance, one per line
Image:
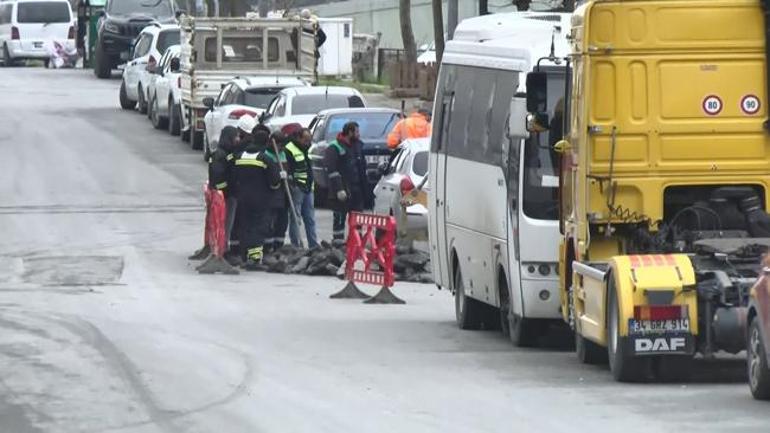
(409, 265)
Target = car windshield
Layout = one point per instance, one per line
(166, 39)
(157, 8)
(260, 98)
(372, 126)
(312, 104)
(420, 163)
(43, 12)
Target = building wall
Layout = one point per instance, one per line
(372, 16)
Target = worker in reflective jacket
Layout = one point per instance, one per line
(416, 125)
(220, 169)
(257, 178)
(278, 203)
(302, 183)
(346, 169)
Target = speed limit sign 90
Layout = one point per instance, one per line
(750, 104)
(712, 105)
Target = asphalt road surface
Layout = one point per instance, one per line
(105, 327)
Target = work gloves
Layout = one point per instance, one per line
(342, 195)
(283, 175)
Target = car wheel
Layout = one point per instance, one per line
(173, 118)
(141, 102)
(623, 365)
(125, 103)
(759, 371)
(468, 312)
(102, 66)
(158, 122)
(7, 60)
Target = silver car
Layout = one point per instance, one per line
(405, 173)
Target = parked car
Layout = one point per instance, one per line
(120, 23)
(242, 95)
(302, 104)
(164, 92)
(758, 344)
(374, 124)
(152, 42)
(28, 26)
(403, 174)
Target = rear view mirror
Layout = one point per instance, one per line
(517, 121)
(175, 65)
(208, 102)
(537, 92)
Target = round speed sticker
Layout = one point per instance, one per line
(712, 105)
(750, 104)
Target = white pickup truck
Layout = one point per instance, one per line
(215, 50)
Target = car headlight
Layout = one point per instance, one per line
(111, 27)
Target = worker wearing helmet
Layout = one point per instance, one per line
(257, 177)
(416, 125)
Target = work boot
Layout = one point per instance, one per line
(201, 253)
(216, 264)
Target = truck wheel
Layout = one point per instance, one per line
(141, 102)
(524, 332)
(623, 365)
(102, 66)
(676, 368)
(173, 118)
(468, 312)
(125, 103)
(759, 371)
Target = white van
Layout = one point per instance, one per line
(493, 214)
(27, 26)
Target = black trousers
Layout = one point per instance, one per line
(356, 204)
(253, 221)
(279, 223)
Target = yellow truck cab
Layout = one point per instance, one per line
(665, 179)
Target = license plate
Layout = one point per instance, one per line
(658, 326)
(376, 159)
(38, 44)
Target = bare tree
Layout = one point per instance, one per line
(407, 35)
(438, 29)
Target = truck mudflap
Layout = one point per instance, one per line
(666, 343)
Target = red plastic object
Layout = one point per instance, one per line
(216, 211)
(371, 239)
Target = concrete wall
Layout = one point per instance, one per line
(372, 16)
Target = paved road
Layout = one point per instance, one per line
(104, 327)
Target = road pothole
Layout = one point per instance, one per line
(73, 270)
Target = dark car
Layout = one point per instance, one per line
(759, 335)
(374, 124)
(120, 23)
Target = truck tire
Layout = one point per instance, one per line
(759, 372)
(102, 66)
(623, 365)
(589, 352)
(468, 312)
(174, 118)
(125, 103)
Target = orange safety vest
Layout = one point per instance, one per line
(414, 126)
